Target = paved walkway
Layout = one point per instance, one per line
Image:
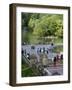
(57, 69)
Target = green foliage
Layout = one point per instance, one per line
(59, 29)
(41, 25)
(25, 19)
(58, 49)
(27, 73)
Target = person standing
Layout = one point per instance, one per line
(54, 61)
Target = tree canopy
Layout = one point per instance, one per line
(41, 25)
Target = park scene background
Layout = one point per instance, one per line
(42, 44)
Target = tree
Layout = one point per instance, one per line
(41, 25)
(59, 28)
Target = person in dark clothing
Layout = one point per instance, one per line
(54, 61)
(52, 44)
(61, 57)
(40, 50)
(47, 51)
(22, 52)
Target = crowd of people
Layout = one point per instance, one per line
(58, 58)
(44, 50)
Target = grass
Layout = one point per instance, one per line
(27, 71)
(24, 66)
